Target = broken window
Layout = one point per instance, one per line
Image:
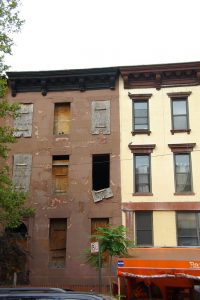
(101, 117)
(101, 177)
(101, 171)
(19, 234)
(22, 171)
(60, 173)
(61, 118)
(57, 242)
(23, 123)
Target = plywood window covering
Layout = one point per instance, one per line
(60, 173)
(57, 242)
(23, 123)
(22, 164)
(98, 222)
(62, 118)
(101, 117)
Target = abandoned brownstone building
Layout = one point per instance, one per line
(67, 159)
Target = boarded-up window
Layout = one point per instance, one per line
(22, 171)
(62, 118)
(60, 173)
(98, 222)
(23, 123)
(101, 117)
(95, 223)
(57, 242)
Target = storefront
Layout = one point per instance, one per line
(160, 273)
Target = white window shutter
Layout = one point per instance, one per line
(23, 123)
(101, 117)
(22, 171)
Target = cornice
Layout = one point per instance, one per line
(140, 149)
(182, 148)
(141, 97)
(63, 80)
(162, 75)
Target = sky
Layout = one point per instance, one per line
(76, 34)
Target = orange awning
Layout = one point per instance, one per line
(161, 263)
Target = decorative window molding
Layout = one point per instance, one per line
(182, 148)
(140, 149)
(140, 113)
(142, 169)
(139, 96)
(182, 168)
(179, 95)
(179, 112)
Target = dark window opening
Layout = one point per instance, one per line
(20, 231)
(188, 229)
(100, 171)
(143, 224)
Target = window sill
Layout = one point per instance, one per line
(61, 135)
(57, 268)
(185, 194)
(57, 194)
(141, 132)
(180, 131)
(144, 246)
(142, 194)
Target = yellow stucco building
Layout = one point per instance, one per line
(160, 153)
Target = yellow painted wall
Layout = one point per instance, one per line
(162, 158)
(164, 225)
(162, 164)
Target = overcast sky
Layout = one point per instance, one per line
(65, 34)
